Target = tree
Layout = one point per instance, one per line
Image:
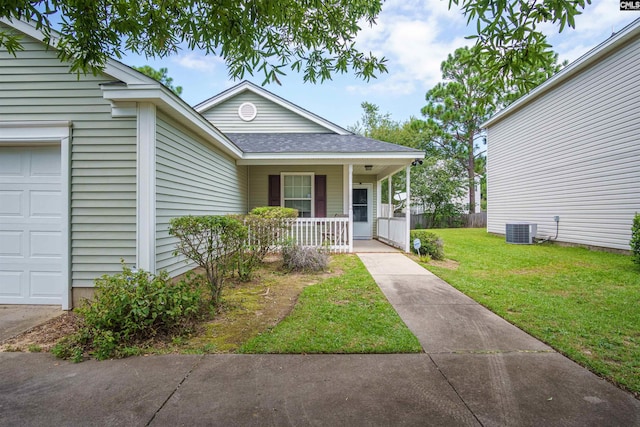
(376, 125)
(161, 76)
(436, 185)
(468, 96)
(315, 37)
(508, 36)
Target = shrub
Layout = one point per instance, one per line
(129, 308)
(635, 239)
(431, 244)
(303, 258)
(265, 227)
(212, 242)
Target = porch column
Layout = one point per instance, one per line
(390, 210)
(349, 205)
(407, 245)
(378, 202)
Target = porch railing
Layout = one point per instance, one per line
(393, 231)
(329, 233)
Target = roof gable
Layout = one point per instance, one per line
(223, 111)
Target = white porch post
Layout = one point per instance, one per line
(378, 204)
(407, 245)
(349, 206)
(390, 210)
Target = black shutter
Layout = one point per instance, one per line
(321, 196)
(274, 190)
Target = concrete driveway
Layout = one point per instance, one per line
(15, 319)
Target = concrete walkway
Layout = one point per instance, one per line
(478, 370)
(504, 376)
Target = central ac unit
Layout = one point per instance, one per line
(521, 233)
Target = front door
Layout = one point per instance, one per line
(362, 210)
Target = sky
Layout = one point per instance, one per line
(414, 35)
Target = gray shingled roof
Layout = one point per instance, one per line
(312, 143)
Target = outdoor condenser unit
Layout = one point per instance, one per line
(521, 233)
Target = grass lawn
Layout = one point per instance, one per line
(585, 304)
(342, 314)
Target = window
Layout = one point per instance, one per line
(297, 193)
(306, 192)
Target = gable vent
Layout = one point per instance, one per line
(247, 111)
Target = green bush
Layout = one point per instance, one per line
(265, 226)
(431, 244)
(274, 212)
(129, 308)
(635, 239)
(304, 258)
(212, 242)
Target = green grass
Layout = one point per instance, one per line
(585, 304)
(342, 314)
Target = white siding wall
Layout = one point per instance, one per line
(191, 179)
(574, 152)
(36, 86)
(259, 184)
(271, 117)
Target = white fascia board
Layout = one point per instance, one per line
(158, 95)
(612, 43)
(400, 159)
(246, 85)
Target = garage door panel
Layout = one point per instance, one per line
(45, 284)
(11, 283)
(31, 238)
(45, 163)
(45, 204)
(45, 244)
(11, 164)
(11, 243)
(11, 203)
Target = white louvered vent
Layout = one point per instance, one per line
(247, 111)
(521, 233)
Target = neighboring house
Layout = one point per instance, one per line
(92, 168)
(570, 149)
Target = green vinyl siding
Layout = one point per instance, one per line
(192, 178)
(36, 86)
(270, 118)
(259, 186)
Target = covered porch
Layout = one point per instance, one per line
(335, 181)
(339, 205)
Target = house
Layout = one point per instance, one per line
(92, 168)
(569, 150)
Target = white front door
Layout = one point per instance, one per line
(362, 211)
(30, 225)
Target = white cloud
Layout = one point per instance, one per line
(198, 61)
(415, 37)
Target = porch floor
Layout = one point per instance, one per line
(362, 246)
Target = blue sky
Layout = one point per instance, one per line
(414, 35)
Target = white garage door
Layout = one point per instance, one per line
(30, 225)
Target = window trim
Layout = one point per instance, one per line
(313, 190)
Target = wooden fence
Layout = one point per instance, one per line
(474, 220)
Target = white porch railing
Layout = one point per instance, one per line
(329, 233)
(393, 231)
